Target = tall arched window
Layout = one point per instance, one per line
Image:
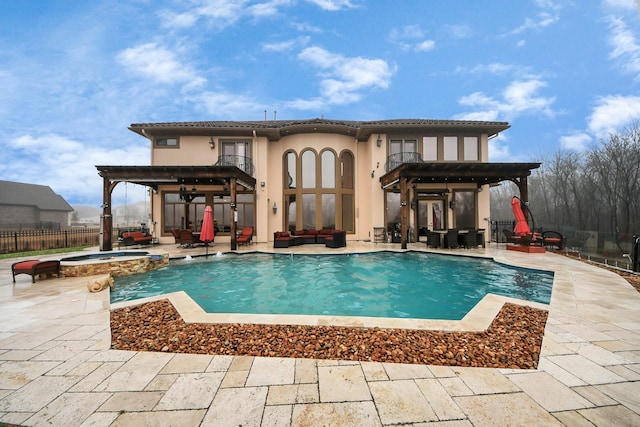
(325, 198)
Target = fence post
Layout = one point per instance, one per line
(636, 248)
(15, 241)
(66, 238)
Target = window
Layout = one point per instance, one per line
(328, 169)
(403, 146)
(430, 148)
(470, 148)
(465, 209)
(325, 197)
(236, 153)
(450, 149)
(308, 169)
(236, 148)
(167, 142)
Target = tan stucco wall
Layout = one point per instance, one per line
(267, 157)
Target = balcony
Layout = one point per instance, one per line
(395, 160)
(241, 162)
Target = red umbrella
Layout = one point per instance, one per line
(522, 227)
(206, 232)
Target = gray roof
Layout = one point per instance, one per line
(41, 196)
(275, 129)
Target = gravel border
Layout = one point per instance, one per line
(513, 340)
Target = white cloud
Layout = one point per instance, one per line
(621, 4)
(220, 13)
(69, 164)
(458, 31)
(425, 46)
(411, 37)
(344, 78)
(578, 141)
(268, 8)
(519, 97)
(549, 15)
(499, 150)
(228, 106)
(159, 64)
(613, 113)
(285, 46)
(333, 5)
(625, 48)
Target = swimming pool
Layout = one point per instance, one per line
(382, 284)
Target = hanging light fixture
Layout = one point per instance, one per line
(183, 192)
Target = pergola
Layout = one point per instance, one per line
(480, 174)
(154, 176)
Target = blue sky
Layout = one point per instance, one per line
(75, 74)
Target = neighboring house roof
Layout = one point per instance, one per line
(41, 196)
(276, 129)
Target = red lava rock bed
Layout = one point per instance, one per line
(513, 339)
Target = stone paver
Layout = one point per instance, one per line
(56, 368)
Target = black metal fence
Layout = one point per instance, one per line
(12, 241)
(613, 249)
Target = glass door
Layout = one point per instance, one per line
(429, 216)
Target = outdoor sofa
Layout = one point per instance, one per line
(330, 237)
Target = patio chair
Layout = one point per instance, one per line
(451, 239)
(433, 239)
(245, 237)
(469, 239)
(186, 238)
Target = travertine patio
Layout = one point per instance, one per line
(56, 367)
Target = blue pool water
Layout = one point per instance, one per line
(383, 284)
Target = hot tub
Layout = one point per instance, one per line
(121, 263)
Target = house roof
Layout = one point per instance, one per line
(41, 196)
(276, 129)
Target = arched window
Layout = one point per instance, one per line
(326, 193)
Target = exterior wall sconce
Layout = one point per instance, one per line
(212, 143)
(413, 204)
(379, 141)
(275, 208)
(262, 183)
(452, 204)
(403, 204)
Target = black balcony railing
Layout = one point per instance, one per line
(395, 160)
(241, 162)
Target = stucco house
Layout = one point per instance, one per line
(403, 176)
(25, 205)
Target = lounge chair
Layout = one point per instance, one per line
(553, 238)
(245, 237)
(35, 267)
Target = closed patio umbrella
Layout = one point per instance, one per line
(207, 233)
(522, 227)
